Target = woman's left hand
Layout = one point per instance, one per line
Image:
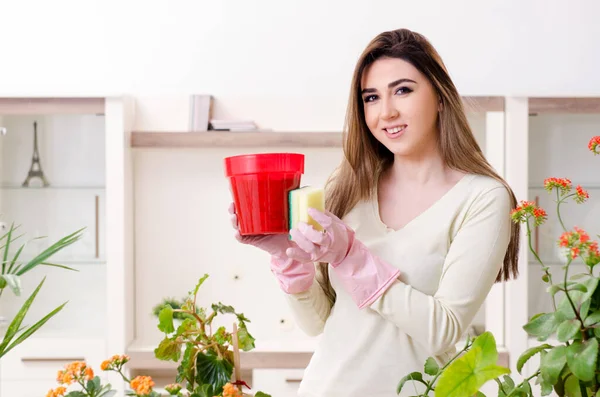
(331, 245)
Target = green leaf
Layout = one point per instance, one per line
(7, 247)
(553, 289)
(59, 266)
(205, 390)
(479, 394)
(53, 249)
(199, 284)
(466, 375)
(578, 276)
(487, 343)
(93, 385)
(245, 340)
(525, 388)
(165, 320)
(592, 319)
(31, 330)
(15, 325)
(14, 282)
(431, 367)
(581, 300)
(552, 363)
(546, 388)
(582, 357)
(223, 309)
(578, 287)
(76, 393)
(213, 370)
(567, 330)
(530, 353)
(261, 394)
(542, 326)
(572, 388)
(168, 350)
(413, 376)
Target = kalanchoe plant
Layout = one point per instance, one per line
(206, 358)
(77, 379)
(567, 368)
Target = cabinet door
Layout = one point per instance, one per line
(67, 152)
(277, 382)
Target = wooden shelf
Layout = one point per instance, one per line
(213, 139)
(577, 105)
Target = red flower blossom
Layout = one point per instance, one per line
(594, 145)
(526, 210)
(578, 243)
(581, 194)
(562, 184)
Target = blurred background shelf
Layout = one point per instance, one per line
(207, 139)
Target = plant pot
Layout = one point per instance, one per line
(260, 184)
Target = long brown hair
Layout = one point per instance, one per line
(366, 158)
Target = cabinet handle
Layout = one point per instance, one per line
(97, 227)
(50, 359)
(293, 380)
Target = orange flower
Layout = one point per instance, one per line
(526, 210)
(58, 392)
(115, 363)
(594, 145)
(562, 184)
(75, 372)
(581, 194)
(230, 390)
(142, 385)
(105, 365)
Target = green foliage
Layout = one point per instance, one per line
(10, 277)
(206, 358)
(568, 367)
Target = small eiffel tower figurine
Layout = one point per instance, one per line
(35, 171)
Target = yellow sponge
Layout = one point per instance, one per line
(300, 200)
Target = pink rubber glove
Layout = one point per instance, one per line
(362, 274)
(293, 276)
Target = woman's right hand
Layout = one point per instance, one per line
(274, 244)
(293, 276)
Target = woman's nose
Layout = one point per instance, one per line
(388, 110)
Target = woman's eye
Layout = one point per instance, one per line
(370, 98)
(403, 90)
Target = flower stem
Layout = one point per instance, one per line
(430, 386)
(559, 201)
(537, 257)
(577, 314)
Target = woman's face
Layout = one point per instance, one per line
(401, 106)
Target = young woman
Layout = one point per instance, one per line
(416, 232)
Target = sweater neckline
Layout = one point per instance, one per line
(375, 207)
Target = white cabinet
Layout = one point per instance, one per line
(277, 382)
(72, 140)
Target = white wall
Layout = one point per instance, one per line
(287, 64)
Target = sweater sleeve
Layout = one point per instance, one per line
(311, 308)
(471, 266)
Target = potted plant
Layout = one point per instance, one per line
(11, 271)
(208, 359)
(79, 377)
(567, 368)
